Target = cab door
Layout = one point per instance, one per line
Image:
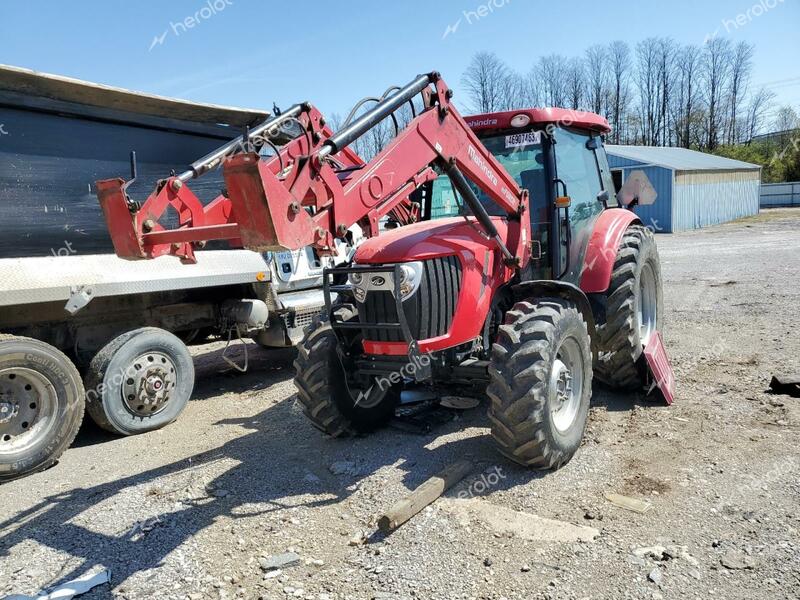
(577, 175)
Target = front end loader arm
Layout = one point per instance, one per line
(318, 207)
(316, 187)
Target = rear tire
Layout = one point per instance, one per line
(333, 404)
(633, 305)
(41, 405)
(540, 383)
(139, 382)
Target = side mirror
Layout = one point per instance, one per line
(593, 143)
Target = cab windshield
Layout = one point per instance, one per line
(520, 154)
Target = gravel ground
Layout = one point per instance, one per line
(192, 511)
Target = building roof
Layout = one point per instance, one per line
(67, 89)
(679, 159)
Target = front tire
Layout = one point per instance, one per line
(139, 382)
(632, 305)
(332, 401)
(540, 383)
(41, 405)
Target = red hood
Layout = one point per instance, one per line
(427, 239)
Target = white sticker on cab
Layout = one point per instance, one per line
(518, 140)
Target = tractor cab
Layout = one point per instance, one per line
(558, 156)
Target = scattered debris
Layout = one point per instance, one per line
(628, 503)
(421, 418)
(216, 492)
(736, 561)
(525, 568)
(359, 539)
(278, 561)
(343, 467)
(786, 384)
(76, 587)
(140, 528)
(459, 402)
(424, 495)
(656, 576)
(665, 553)
(513, 523)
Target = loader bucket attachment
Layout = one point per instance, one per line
(121, 223)
(268, 216)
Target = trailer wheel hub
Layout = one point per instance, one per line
(148, 384)
(27, 407)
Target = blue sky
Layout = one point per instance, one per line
(253, 52)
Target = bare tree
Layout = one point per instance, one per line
(658, 94)
(576, 83)
(551, 71)
(485, 80)
(666, 74)
(757, 110)
(688, 64)
(619, 62)
(647, 58)
(786, 119)
(532, 89)
(596, 64)
(716, 63)
(513, 91)
(741, 65)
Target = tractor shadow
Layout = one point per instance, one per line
(278, 462)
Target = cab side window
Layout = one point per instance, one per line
(577, 168)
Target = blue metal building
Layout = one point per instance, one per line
(694, 189)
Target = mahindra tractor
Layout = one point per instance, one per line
(532, 287)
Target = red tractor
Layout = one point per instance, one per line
(532, 288)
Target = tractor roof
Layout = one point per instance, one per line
(540, 116)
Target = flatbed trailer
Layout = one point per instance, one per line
(76, 320)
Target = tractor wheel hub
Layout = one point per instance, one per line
(566, 377)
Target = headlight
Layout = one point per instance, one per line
(410, 278)
(356, 278)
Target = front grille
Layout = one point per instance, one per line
(429, 311)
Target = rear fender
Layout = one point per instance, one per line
(546, 288)
(601, 253)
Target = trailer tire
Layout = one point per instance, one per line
(631, 310)
(323, 389)
(540, 347)
(139, 382)
(44, 425)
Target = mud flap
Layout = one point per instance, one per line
(661, 375)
